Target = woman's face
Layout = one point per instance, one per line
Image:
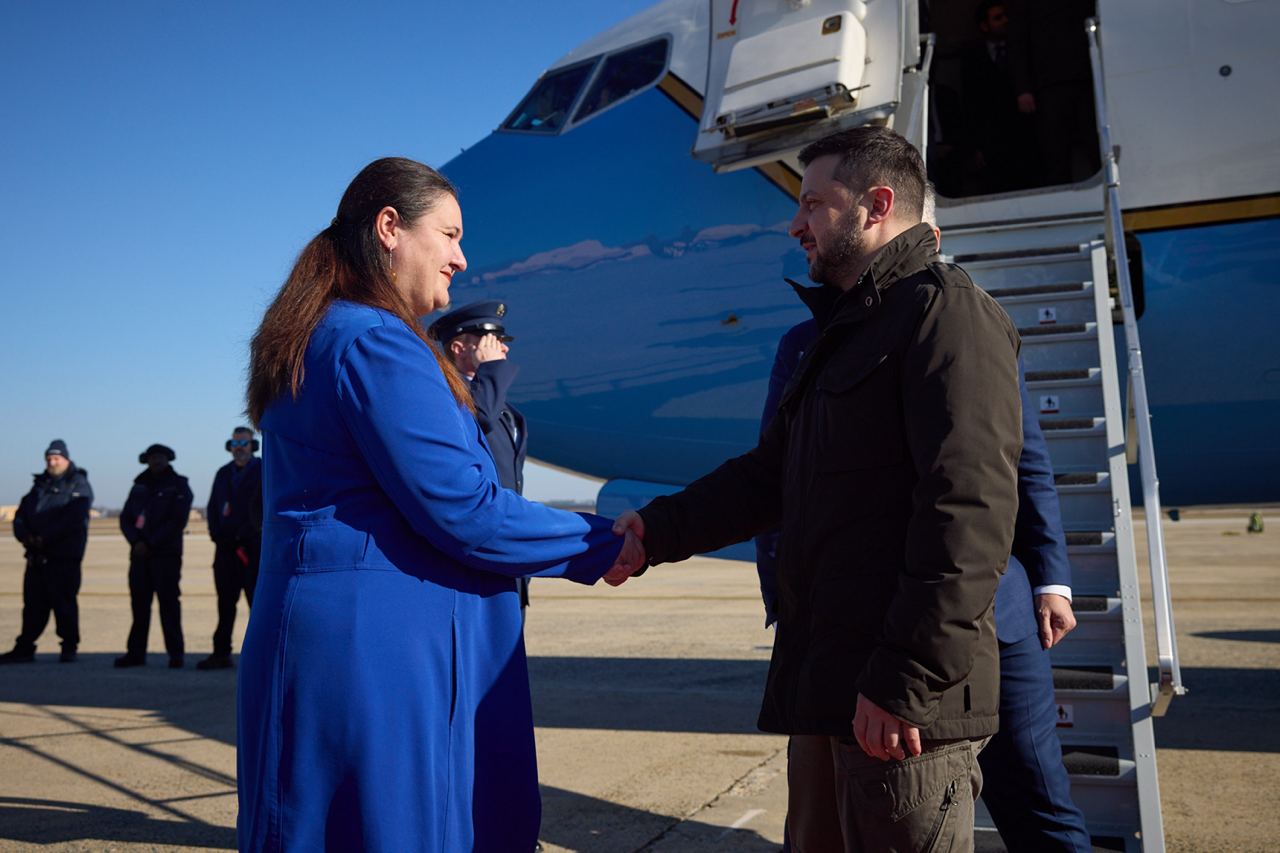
(427, 255)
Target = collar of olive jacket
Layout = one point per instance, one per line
(902, 256)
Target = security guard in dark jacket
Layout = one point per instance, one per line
(52, 524)
(153, 520)
(891, 469)
(475, 339)
(234, 515)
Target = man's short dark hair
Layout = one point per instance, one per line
(984, 9)
(875, 156)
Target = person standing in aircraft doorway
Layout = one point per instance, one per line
(1025, 783)
(475, 339)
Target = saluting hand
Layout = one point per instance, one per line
(490, 349)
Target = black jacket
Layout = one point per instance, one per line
(891, 469)
(234, 512)
(503, 426)
(157, 510)
(55, 513)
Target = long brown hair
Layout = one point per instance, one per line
(345, 261)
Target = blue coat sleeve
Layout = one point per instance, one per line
(1039, 542)
(414, 436)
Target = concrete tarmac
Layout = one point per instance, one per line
(645, 699)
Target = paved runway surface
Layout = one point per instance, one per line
(645, 699)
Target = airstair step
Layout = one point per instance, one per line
(1090, 604)
(1056, 424)
(1084, 537)
(1081, 478)
(1084, 677)
(1093, 760)
(1054, 329)
(1034, 376)
(1073, 288)
(1037, 253)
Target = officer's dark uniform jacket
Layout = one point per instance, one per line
(235, 504)
(502, 424)
(56, 510)
(163, 501)
(891, 469)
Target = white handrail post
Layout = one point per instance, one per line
(1170, 683)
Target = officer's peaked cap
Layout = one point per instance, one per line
(475, 318)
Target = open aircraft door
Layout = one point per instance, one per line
(785, 72)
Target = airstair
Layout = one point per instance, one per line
(1062, 280)
(1056, 260)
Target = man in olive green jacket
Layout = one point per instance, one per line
(891, 470)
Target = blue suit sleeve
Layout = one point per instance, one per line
(790, 348)
(489, 390)
(414, 436)
(1039, 542)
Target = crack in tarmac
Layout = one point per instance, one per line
(738, 784)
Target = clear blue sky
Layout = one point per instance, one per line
(163, 163)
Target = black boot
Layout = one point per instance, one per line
(68, 655)
(129, 660)
(175, 661)
(216, 661)
(19, 656)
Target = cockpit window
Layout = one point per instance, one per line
(622, 74)
(546, 108)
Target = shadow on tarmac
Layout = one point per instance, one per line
(701, 696)
(30, 821)
(1258, 636)
(589, 825)
(1225, 709)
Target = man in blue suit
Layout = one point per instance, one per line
(1025, 785)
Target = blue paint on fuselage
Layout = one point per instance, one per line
(1212, 360)
(646, 295)
(644, 290)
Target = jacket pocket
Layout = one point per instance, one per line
(859, 414)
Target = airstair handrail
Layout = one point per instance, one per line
(1170, 674)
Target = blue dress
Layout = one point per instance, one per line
(383, 698)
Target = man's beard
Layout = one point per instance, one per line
(842, 256)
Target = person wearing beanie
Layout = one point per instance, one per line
(52, 523)
(152, 521)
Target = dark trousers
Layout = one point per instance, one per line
(841, 800)
(1068, 133)
(50, 585)
(231, 576)
(155, 575)
(1027, 790)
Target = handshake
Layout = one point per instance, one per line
(632, 559)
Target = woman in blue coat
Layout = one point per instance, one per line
(383, 700)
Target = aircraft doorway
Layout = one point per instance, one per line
(1011, 105)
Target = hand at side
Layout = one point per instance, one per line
(882, 735)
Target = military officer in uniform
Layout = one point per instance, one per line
(475, 339)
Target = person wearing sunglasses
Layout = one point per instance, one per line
(234, 515)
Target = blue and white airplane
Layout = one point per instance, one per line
(633, 212)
